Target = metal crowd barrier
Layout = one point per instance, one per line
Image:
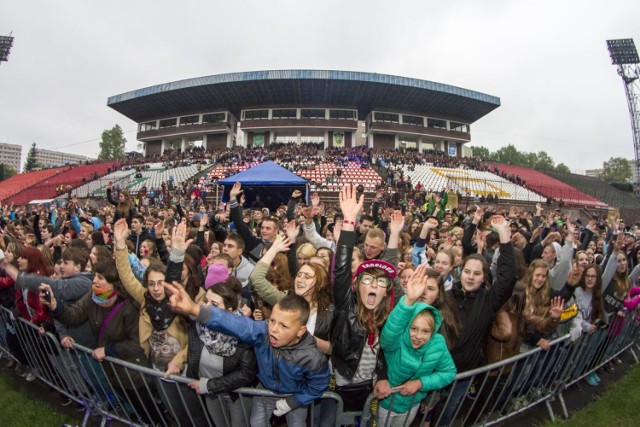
(138, 395)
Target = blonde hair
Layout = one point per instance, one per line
(307, 250)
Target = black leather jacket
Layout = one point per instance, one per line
(347, 336)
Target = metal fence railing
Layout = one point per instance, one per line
(138, 395)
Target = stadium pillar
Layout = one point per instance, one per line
(353, 139)
(298, 138)
(370, 140)
(183, 146)
(326, 139)
(229, 140)
(163, 144)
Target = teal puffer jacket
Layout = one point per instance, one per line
(431, 363)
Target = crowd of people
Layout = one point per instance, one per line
(392, 300)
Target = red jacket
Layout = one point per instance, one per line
(37, 313)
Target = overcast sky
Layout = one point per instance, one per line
(547, 61)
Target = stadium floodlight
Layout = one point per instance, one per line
(622, 51)
(624, 54)
(6, 42)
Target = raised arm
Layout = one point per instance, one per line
(506, 274)
(236, 216)
(350, 205)
(258, 279)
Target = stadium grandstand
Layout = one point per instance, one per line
(335, 108)
(329, 127)
(546, 185)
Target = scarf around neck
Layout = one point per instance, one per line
(216, 342)
(159, 312)
(104, 299)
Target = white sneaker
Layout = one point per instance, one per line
(30, 377)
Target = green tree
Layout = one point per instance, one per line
(30, 164)
(617, 169)
(483, 152)
(112, 144)
(561, 167)
(6, 171)
(510, 155)
(544, 161)
(530, 160)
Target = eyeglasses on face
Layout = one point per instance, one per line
(304, 275)
(155, 283)
(368, 279)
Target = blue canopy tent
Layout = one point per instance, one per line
(272, 183)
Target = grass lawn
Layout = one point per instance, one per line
(618, 406)
(21, 408)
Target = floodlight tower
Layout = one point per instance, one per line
(6, 42)
(624, 54)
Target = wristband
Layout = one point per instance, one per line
(346, 221)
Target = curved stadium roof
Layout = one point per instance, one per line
(306, 88)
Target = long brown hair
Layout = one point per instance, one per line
(278, 273)
(451, 327)
(124, 208)
(322, 287)
(373, 320)
(597, 302)
(622, 280)
(537, 302)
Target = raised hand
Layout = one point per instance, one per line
(416, 285)
(292, 230)
(477, 215)
(179, 301)
(350, 204)
(120, 233)
(296, 194)
(431, 224)
(619, 242)
(501, 225)
(571, 228)
(281, 245)
(397, 222)
(315, 200)
(178, 239)
(158, 228)
(556, 309)
(235, 190)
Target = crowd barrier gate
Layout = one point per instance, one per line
(119, 390)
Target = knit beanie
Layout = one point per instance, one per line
(217, 273)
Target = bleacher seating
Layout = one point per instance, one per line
(599, 189)
(221, 171)
(46, 188)
(98, 187)
(20, 182)
(548, 186)
(322, 176)
(153, 178)
(469, 183)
